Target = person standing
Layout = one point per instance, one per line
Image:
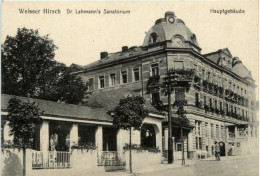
(217, 151)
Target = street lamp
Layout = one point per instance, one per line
(170, 80)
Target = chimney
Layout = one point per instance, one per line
(124, 48)
(103, 55)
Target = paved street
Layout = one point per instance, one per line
(226, 167)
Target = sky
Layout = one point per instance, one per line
(81, 37)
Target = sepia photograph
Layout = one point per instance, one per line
(130, 88)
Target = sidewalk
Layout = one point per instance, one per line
(158, 167)
(228, 157)
(176, 164)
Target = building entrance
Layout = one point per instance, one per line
(222, 148)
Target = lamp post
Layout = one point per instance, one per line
(170, 80)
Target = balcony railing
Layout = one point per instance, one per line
(50, 160)
(242, 134)
(110, 158)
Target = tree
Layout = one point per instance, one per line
(23, 118)
(182, 121)
(26, 59)
(128, 114)
(29, 69)
(70, 89)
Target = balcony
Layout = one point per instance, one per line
(179, 76)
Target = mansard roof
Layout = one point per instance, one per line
(240, 69)
(237, 65)
(56, 109)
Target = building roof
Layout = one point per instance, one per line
(240, 69)
(110, 99)
(113, 57)
(57, 109)
(167, 30)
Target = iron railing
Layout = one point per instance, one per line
(50, 160)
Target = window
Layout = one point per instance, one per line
(198, 127)
(153, 38)
(179, 94)
(222, 132)
(203, 74)
(205, 100)
(246, 113)
(243, 113)
(198, 143)
(179, 147)
(216, 104)
(196, 98)
(217, 131)
(178, 65)
(91, 84)
(155, 69)
(211, 130)
(226, 108)
(155, 98)
(124, 77)
(101, 82)
(210, 103)
(206, 129)
(220, 106)
(208, 76)
(112, 79)
(136, 74)
(245, 92)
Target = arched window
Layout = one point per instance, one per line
(153, 38)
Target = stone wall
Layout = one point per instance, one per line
(142, 159)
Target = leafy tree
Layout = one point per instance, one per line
(26, 58)
(128, 114)
(70, 89)
(23, 118)
(181, 121)
(29, 69)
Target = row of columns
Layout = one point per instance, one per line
(122, 136)
(74, 136)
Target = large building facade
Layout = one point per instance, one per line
(218, 90)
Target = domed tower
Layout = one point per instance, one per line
(173, 31)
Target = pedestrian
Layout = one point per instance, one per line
(217, 151)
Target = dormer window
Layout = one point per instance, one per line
(153, 38)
